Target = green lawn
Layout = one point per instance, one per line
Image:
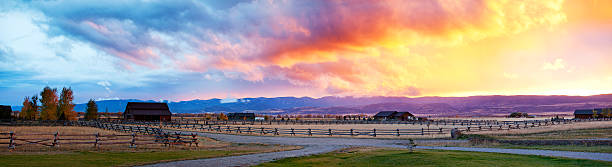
(575, 148)
(562, 134)
(95, 159)
(385, 157)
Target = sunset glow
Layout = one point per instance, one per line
(181, 50)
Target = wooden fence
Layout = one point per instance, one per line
(137, 135)
(370, 132)
(314, 132)
(340, 122)
(96, 140)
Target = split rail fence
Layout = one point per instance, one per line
(371, 132)
(136, 135)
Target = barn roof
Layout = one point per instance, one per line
(145, 108)
(385, 113)
(589, 111)
(399, 114)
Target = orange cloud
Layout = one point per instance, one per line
(364, 47)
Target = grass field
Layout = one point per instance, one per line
(594, 133)
(388, 157)
(95, 159)
(591, 133)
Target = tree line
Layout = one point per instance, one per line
(52, 106)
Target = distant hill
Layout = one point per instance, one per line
(435, 106)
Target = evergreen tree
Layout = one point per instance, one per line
(92, 110)
(48, 102)
(33, 112)
(65, 107)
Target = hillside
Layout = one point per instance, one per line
(438, 106)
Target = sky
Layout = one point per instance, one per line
(183, 50)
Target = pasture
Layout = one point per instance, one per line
(402, 157)
(386, 129)
(120, 154)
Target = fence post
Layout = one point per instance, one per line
(97, 139)
(352, 133)
(309, 132)
(330, 132)
(374, 131)
(55, 138)
(194, 139)
(11, 140)
(132, 143)
(422, 131)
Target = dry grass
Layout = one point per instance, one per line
(426, 136)
(579, 125)
(36, 132)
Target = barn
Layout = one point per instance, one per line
(5, 112)
(241, 116)
(144, 111)
(385, 115)
(589, 113)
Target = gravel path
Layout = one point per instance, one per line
(324, 145)
(251, 159)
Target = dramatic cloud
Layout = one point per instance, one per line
(358, 47)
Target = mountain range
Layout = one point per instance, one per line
(429, 106)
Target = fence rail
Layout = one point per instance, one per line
(136, 135)
(371, 132)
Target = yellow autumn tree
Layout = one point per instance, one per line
(222, 116)
(48, 102)
(65, 107)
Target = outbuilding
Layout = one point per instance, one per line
(145, 111)
(241, 116)
(592, 113)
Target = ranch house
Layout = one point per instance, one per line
(394, 115)
(403, 116)
(141, 111)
